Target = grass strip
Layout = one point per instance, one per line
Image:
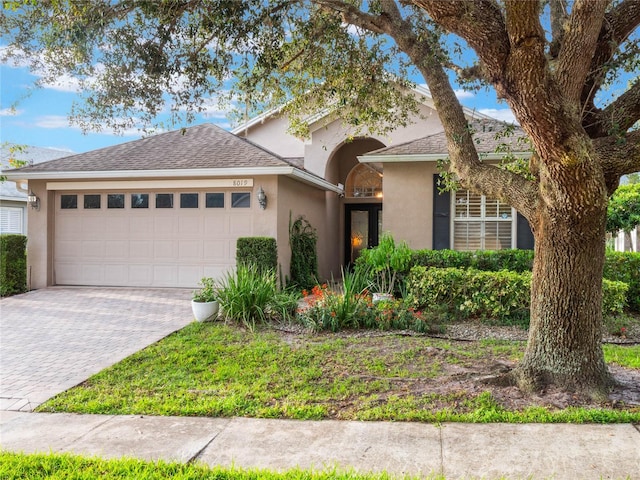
(17, 466)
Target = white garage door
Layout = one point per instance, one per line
(147, 238)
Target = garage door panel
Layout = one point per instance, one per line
(118, 227)
(140, 226)
(67, 249)
(141, 249)
(165, 275)
(115, 274)
(165, 249)
(190, 225)
(141, 275)
(190, 249)
(216, 249)
(217, 225)
(173, 247)
(93, 227)
(93, 249)
(93, 274)
(116, 250)
(165, 225)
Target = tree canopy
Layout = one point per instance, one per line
(623, 212)
(568, 69)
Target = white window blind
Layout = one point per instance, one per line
(11, 220)
(481, 223)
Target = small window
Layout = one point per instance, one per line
(240, 200)
(215, 200)
(139, 200)
(188, 200)
(68, 202)
(164, 200)
(115, 200)
(91, 201)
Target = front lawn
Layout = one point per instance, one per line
(216, 369)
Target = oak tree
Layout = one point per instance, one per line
(549, 60)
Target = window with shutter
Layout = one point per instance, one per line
(11, 220)
(481, 223)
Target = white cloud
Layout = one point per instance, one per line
(10, 112)
(53, 121)
(504, 114)
(64, 83)
(464, 94)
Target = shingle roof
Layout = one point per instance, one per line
(32, 155)
(490, 136)
(202, 146)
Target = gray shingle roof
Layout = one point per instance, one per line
(32, 155)
(202, 146)
(489, 135)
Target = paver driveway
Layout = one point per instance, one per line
(55, 338)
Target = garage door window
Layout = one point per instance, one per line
(188, 200)
(115, 200)
(240, 200)
(139, 200)
(214, 200)
(164, 200)
(68, 202)
(91, 201)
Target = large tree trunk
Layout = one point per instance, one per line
(565, 333)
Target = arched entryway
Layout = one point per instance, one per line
(360, 222)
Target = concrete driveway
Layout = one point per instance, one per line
(55, 338)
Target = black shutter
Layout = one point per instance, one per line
(524, 239)
(441, 217)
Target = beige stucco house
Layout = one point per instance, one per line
(167, 210)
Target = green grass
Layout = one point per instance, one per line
(14, 466)
(213, 369)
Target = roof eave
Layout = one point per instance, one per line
(434, 157)
(290, 171)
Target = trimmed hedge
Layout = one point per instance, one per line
(262, 252)
(619, 266)
(502, 295)
(486, 260)
(13, 264)
(625, 267)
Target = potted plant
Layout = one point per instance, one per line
(204, 302)
(385, 261)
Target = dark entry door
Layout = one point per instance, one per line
(363, 227)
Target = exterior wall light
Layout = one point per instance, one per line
(262, 198)
(33, 201)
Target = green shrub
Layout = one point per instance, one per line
(614, 296)
(245, 295)
(386, 262)
(304, 257)
(503, 296)
(625, 267)
(259, 251)
(488, 260)
(13, 264)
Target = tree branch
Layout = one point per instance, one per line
(618, 155)
(624, 112)
(558, 12)
(618, 24)
(481, 24)
(578, 47)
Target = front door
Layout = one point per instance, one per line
(363, 227)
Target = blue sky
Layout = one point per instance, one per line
(38, 117)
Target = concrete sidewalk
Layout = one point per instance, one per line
(455, 450)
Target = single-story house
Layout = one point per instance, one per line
(13, 199)
(167, 210)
